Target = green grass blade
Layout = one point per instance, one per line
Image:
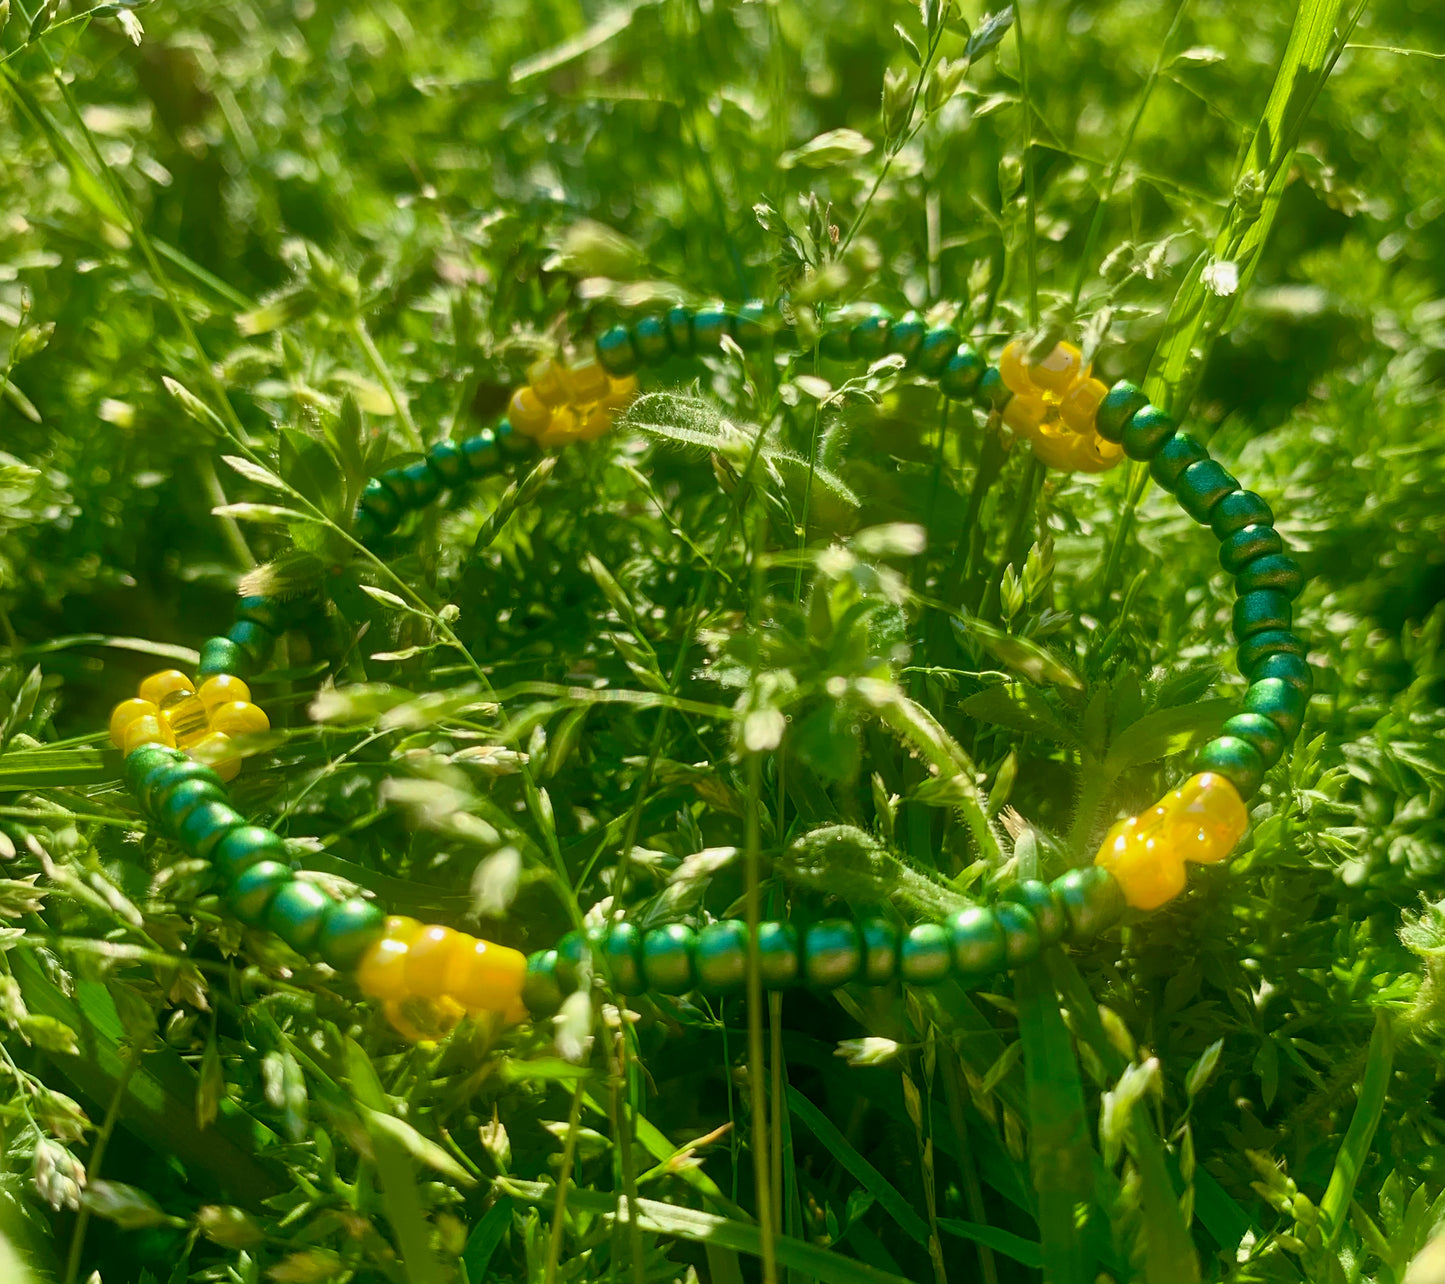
(1169, 1256)
(1335, 1205)
(485, 1237)
(1017, 1247)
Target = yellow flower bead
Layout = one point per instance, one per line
(1094, 455)
(423, 1020)
(1013, 368)
(548, 381)
(239, 718)
(147, 729)
(585, 382)
(168, 682)
(562, 431)
(187, 720)
(488, 978)
(381, 974)
(621, 393)
(216, 751)
(528, 413)
(223, 689)
(430, 959)
(1080, 405)
(1056, 450)
(1025, 414)
(126, 712)
(593, 422)
(1060, 370)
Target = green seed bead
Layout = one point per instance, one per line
(622, 950)
(157, 784)
(481, 454)
(668, 958)
(1283, 704)
(1236, 760)
(255, 642)
(1121, 403)
(542, 991)
(836, 344)
(205, 826)
(574, 952)
(780, 959)
(246, 846)
(1023, 942)
(870, 336)
(417, 483)
(349, 929)
(1146, 433)
(832, 953)
(383, 503)
(615, 353)
(1266, 737)
(1270, 642)
(513, 446)
(977, 939)
(1247, 544)
(184, 798)
(937, 347)
(992, 392)
(650, 341)
(1201, 487)
(905, 337)
(1047, 910)
(926, 957)
(269, 612)
(1263, 609)
(708, 327)
(1279, 572)
(679, 331)
(754, 325)
(1238, 509)
(1092, 901)
(296, 913)
(145, 762)
(961, 374)
(880, 952)
(445, 459)
(251, 893)
(365, 529)
(722, 956)
(221, 655)
(1292, 670)
(1180, 452)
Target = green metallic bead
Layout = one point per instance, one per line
(445, 459)
(1245, 545)
(1181, 451)
(1236, 760)
(722, 956)
(1278, 572)
(615, 353)
(419, 484)
(1283, 704)
(754, 325)
(621, 947)
(512, 445)
(221, 655)
(992, 392)
(1092, 901)
(269, 612)
(383, 503)
(1238, 509)
(156, 784)
(977, 939)
(1146, 433)
(349, 929)
(650, 341)
(1271, 642)
(255, 642)
(905, 337)
(937, 347)
(1201, 487)
(961, 374)
(832, 953)
(205, 825)
(365, 529)
(251, 893)
(296, 912)
(668, 958)
(1047, 910)
(1263, 609)
(145, 761)
(1023, 942)
(780, 960)
(1293, 670)
(836, 344)
(542, 991)
(480, 454)
(679, 330)
(246, 846)
(1266, 737)
(708, 327)
(574, 953)
(870, 336)
(926, 956)
(183, 798)
(880, 952)
(1121, 403)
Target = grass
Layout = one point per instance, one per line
(785, 644)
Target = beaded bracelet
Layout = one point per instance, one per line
(176, 735)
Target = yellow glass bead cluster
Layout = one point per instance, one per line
(1201, 821)
(169, 710)
(437, 975)
(1054, 405)
(563, 403)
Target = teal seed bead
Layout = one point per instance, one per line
(708, 327)
(880, 951)
(977, 939)
(722, 956)
(446, 460)
(926, 956)
(1238, 509)
(221, 655)
(415, 485)
(1263, 609)
(832, 953)
(1146, 433)
(992, 392)
(1236, 760)
(937, 347)
(513, 445)
(1092, 901)
(836, 344)
(246, 846)
(542, 992)
(1180, 452)
(753, 325)
(870, 336)
(1265, 735)
(269, 612)
(574, 951)
(780, 961)
(255, 642)
(383, 503)
(615, 353)
(1279, 572)
(650, 341)
(1292, 670)
(1247, 544)
(1121, 403)
(905, 337)
(1283, 704)
(622, 949)
(146, 761)
(183, 798)
(1047, 910)
(481, 454)
(1201, 487)
(1270, 642)
(205, 826)
(348, 930)
(296, 912)
(1023, 942)
(157, 783)
(250, 894)
(365, 529)
(679, 331)
(961, 374)
(668, 955)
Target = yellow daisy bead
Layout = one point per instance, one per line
(488, 978)
(528, 413)
(239, 718)
(381, 974)
(562, 431)
(215, 750)
(1057, 450)
(1013, 369)
(126, 712)
(1060, 370)
(548, 381)
(1094, 455)
(429, 960)
(1080, 405)
(1025, 414)
(441, 1017)
(593, 422)
(1207, 818)
(186, 717)
(168, 682)
(621, 393)
(585, 382)
(224, 688)
(147, 729)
